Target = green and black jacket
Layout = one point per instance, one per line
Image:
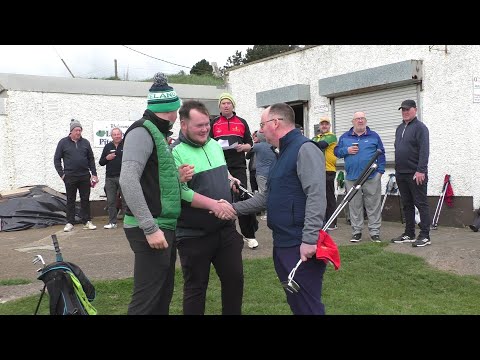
(210, 179)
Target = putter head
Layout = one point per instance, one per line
(291, 286)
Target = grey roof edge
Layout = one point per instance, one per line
(52, 84)
(396, 74)
(292, 93)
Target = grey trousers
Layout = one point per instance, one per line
(369, 196)
(262, 183)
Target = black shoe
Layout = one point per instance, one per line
(356, 238)
(403, 239)
(375, 238)
(422, 241)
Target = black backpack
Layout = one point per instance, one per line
(69, 290)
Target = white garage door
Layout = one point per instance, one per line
(381, 110)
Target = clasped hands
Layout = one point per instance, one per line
(223, 210)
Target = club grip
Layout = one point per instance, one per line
(372, 160)
(58, 253)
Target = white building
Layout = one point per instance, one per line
(35, 112)
(337, 80)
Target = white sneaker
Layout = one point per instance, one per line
(110, 226)
(89, 226)
(68, 227)
(251, 243)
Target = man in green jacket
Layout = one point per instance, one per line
(202, 238)
(150, 185)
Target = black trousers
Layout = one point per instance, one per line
(153, 274)
(414, 195)
(82, 184)
(253, 180)
(223, 249)
(331, 200)
(248, 223)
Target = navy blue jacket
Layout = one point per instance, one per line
(286, 200)
(412, 147)
(77, 158)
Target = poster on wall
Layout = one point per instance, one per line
(102, 129)
(476, 89)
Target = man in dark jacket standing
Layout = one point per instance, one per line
(112, 158)
(78, 173)
(411, 171)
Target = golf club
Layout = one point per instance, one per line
(291, 285)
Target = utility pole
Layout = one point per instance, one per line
(64, 63)
(116, 69)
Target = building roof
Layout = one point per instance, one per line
(51, 84)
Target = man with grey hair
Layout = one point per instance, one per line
(112, 157)
(357, 146)
(295, 201)
(78, 173)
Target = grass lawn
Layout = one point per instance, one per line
(370, 281)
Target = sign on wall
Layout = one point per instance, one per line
(476, 89)
(102, 129)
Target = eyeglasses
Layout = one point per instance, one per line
(262, 124)
(291, 285)
(360, 118)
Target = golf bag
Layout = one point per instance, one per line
(69, 290)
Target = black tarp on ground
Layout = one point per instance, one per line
(33, 207)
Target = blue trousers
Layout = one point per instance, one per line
(309, 276)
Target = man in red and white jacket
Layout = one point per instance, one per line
(231, 129)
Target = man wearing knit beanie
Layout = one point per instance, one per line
(78, 173)
(228, 97)
(161, 97)
(150, 184)
(232, 128)
(74, 124)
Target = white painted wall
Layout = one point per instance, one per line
(36, 122)
(447, 99)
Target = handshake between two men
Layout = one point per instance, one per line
(222, 209)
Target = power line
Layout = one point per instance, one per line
(153, 57)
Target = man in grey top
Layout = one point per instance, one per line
(150, 184)
(295, 200)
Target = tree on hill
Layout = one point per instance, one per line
(202, 67)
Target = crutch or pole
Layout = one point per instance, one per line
(290, 285)
(388, 189)
(439, 205)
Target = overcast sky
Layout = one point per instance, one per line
(98, 60)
